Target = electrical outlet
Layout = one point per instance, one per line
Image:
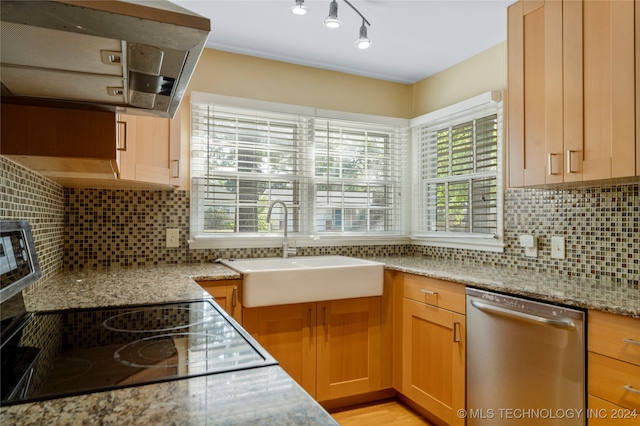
(530, 244)
(172, 238)
(557, 248)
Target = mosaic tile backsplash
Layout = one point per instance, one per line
(87, 228)
(28, 195)
(601, 226)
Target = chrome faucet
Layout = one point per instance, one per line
(286, 251)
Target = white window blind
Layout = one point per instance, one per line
(458, 173)
(337, 177)
(241, 161)
(358, 177)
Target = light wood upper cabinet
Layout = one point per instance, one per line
(571, 70)
(609, 95)
(146, 152)
(92, 148)
(332, 349)
(535, 95)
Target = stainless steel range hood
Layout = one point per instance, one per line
(136, 54)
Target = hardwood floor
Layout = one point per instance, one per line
(390, 412)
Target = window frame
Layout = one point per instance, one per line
(305, 237)
(482, 105)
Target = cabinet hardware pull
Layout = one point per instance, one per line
(234, 297)
(569, 152)
(631, 341)
(325, 317)
(456, 332)
(631, 389)
(177, 173)
(429, 291)
(122, 147)
(310, 330)
(550, 164)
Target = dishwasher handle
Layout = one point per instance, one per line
(563, 323)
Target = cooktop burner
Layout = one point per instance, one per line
(74, 352)
(156, 319)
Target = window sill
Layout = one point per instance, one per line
(480, 244)
(275, 240)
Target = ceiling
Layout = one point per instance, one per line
(411, 40)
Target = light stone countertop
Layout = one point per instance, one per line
(585, 293)
(106, 287)
(261, 396)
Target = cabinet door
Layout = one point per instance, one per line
(227, 294)
(637, 41)
(609, 100)
(434, 359)
(535, 93)
(144, 151)
(233, 299)
(288, 333)
(348, 347)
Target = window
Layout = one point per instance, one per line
(458, 162)
(358, 177)
(338, 178)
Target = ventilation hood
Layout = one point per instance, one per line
(126, 55)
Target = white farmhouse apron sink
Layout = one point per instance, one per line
(278, 281)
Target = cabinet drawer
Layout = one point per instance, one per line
(434, 292)
(613, 335)
(604, 413)
(614, 381)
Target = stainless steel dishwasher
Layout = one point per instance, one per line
(525, 362)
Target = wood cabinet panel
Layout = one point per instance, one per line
(609, 105)
(348, 347)
(535, 92)
(144, 148)
(604, 413)
(57, 132)
(288, 333)
(572, 115)
(435, 292)
(615, 336)
(614, 380)
(228, 294)
(434, 359)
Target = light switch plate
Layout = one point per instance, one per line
(557, 248)
(173, 239)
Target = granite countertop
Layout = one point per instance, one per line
(262, 396)
(581, 292)
(105, 287)
(265, 396)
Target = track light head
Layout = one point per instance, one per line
(299, 8)
(363, 41)
(332, 20)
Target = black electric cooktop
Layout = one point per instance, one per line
(74, 352)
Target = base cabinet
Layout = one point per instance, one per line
(434, 359)
(430, 328)
(228, 294)
(613, 369)
(332, 349)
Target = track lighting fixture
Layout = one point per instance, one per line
(332, 20)
(299, 8)
(363, 41)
